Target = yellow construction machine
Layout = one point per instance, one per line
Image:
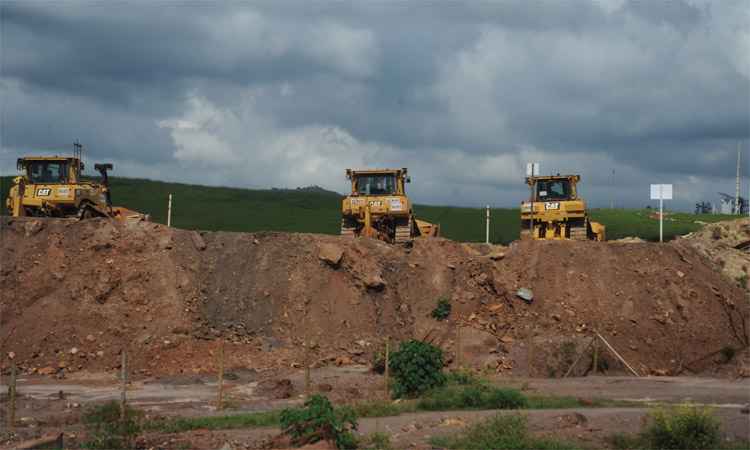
(52, 186)
(378, 207)
(556, 212)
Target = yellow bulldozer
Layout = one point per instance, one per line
(52, 186)
(378, 207)
(556, 212)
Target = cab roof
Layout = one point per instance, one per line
(554, 177)
(374, 171)
(46, 158)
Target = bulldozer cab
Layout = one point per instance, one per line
(50, 170)
(374, 182)
(554, 188)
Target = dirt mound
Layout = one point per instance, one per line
(727, 244)
(75, 293)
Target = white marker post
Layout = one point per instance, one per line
(532, 170)
(661, 192)
(487, 227)
(169, 211)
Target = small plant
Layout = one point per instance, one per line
(417, 367)
(318, 421)
(376, 441)
(442, 310)
(105, 429)
(378, 362)
(568, 352)
(682, 427)
(742, 279)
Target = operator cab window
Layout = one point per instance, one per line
(553, 190)
(376, 184)
(41, 172)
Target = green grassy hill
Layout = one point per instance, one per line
(230, 209)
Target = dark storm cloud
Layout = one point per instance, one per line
(288, 93)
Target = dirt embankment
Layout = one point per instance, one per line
(726, 244)
(74, 293)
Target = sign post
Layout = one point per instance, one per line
(532, 170)
(169, 211)
(661, 192)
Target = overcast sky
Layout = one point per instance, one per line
(287, 94)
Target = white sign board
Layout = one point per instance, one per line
(532, 169)
(661, 192)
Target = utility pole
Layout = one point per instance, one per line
(737, 206)
(612, 199)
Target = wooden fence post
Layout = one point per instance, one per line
(124, 387)
(459, 356)
(387, 366)
(12, 396)
(220, 399)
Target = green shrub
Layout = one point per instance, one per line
(417, 367)
(318, 421)
(106, 430)
(499, 433)
(442, 310)
(472, 397)
(682, 427)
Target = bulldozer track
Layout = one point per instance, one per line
(346, 231)
(403, 234)
(578, 234)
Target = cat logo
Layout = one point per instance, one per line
(43, 192)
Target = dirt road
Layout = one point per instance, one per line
(196, 396)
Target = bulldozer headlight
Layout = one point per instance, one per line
(395, 204)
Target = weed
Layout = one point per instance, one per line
(742, 279)
(462, 377)
(378, 362)
(318, 421)
(682, 427)
(727, 354)
(417, 367)
(498, 433)
(623, 441)
(106, 430)
(442, 310)
(376, 441)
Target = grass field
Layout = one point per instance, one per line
(230, 209)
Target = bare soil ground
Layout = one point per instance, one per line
(74, 294)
